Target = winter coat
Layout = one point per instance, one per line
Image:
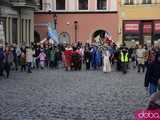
(8, 57)
(29, 55)
(1, 55)
(153, 72)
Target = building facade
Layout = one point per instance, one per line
(17, 17)
(78, 20)
(139, 22)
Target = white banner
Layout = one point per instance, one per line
(2, 37)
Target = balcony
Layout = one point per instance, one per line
(24, 3)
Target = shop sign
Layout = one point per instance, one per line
(157, 26)
(147, 27)
(131, 26)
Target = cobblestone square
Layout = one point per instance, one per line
(77, 95)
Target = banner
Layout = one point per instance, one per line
(131, 26)
(2, 37)
(147, 27)
(157, 26)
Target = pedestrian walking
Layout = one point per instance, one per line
(87, 58)
(23, 61)
(8, 60)
(124, 59)
(42, 57)
(106, 61)
(140, 55)
(1, 60)
(29, 58)
(153, 75)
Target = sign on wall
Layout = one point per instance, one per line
(131, 26)
(147, 27)
(157, 26)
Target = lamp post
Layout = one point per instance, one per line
(54, 18)
(76, 28)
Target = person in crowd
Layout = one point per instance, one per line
(76, 59)
(23, 61)
(153, 75)
(54, 57)
(124, 59)
(87, 58)
(1, 60)
(118, 59)
(15, 55)
(106, 61)
(98, 58)
(29, 58)
(37, 52)
(93, 57)
(8, 60)
(42, 57)
(140, 53)
(47, 51)
(67, 57)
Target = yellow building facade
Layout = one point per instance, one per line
(139, 21)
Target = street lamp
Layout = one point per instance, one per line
(54, 18)
(75, 27)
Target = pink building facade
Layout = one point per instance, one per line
(79, 21)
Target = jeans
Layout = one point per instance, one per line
(141, 66)
(152, 88)
(29, 67)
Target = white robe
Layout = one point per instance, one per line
(106, 62)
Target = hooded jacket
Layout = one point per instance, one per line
(153, 72)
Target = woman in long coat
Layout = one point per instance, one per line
(106, 61)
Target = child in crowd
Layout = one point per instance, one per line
(42, 58)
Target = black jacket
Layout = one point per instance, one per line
(153, 72)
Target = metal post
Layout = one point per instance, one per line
(75, 27)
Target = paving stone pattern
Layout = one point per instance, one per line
(77, 95)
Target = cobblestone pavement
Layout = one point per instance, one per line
(78, 95)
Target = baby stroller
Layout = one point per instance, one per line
(76, 62)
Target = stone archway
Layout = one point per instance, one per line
(98, 36)
(64, 38)
(37, 37)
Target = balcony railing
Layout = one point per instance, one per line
(23, 2)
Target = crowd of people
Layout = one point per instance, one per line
(92, 56)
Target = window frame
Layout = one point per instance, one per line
(82, 9)
(60, 9)
(146, 1)
(101, 9)
(130, 2)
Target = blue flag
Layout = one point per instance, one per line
(52, 32)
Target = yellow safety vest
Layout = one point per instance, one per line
(124, 58)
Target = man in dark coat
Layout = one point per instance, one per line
(1, 60)
(153, 75)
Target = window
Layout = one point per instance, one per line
(14, 30)
(41, 5)
(83, 4)
(128, 2)
(101, 4)
(60, 4)
(146, 2)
